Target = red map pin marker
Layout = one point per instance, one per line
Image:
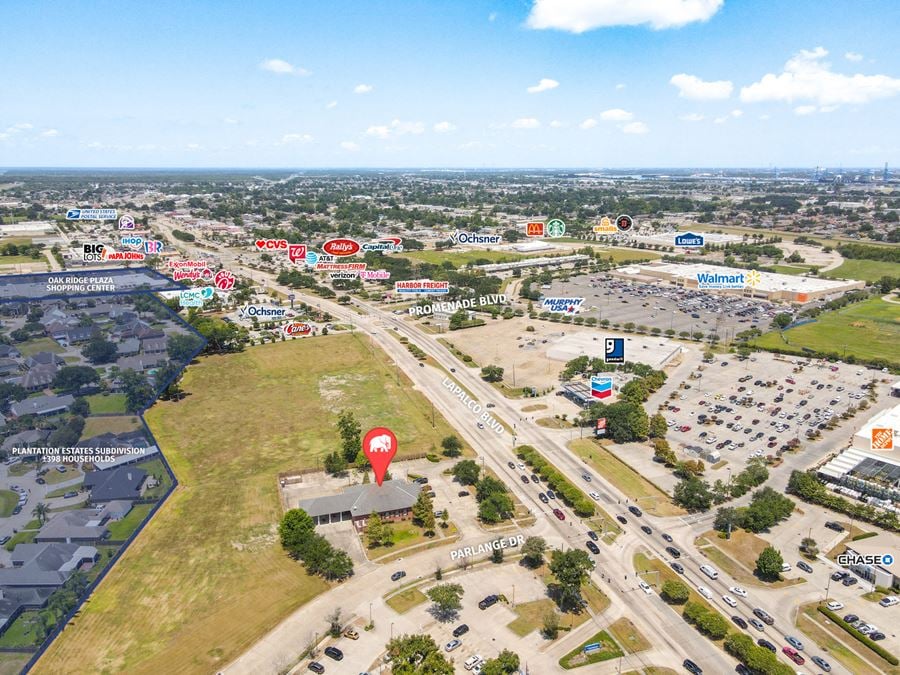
(380, 446)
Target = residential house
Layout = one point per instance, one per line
(124, 482)
(30, 438)
(78, 334)
(80, 526)
(155, 345)
(9, 352)
(8, 366)
(14, 601)
(129, 347)
(46, 565)
(44, 359)
(141, 362)
(38, 378)
(42, 405)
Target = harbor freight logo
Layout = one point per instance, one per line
(475, 238)
(847, 559)
(614, 350)
(715, 281)
(449, 307)
(91, 214)
(882, 439)
(562, 305)
(385, 244)
(601, 386)
(195, 297)
(422, 286)
(689, 240)
(488, 547)
(262, 312)
(605, 226)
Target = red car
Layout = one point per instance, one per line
(676, 409)
(559, 514)
(793, 655)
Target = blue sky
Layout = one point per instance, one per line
(525, 83)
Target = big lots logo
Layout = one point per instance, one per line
(271, 244)
(296, 328)
(341, 247)
(224, 280)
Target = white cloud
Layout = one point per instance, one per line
(231, 120)
(616, 115)
(349, 146)
(691, 86)
(736, 113)
(492, 16)
(363, 88)
(281, 67)
(589, 123)
(804, 110)
(765, 117)
(620, 86)
(331, 104)
(556, 124)
(827, 108)
(807, 77)
(720, 120)
(526, 123)
(691, 117)
(379, 131)
(444, 127)
(400, 128)
(23, 126)
(194, 146)
(635, 128)
(853, 56)
(296, 138)
(546, 84)
(578, 16)
(50, 133)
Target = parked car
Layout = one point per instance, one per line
(396, 576)
(646, 529)
(453, 644)
(667, 537)
(592, 547)
(462, 493)
(334, 653)
(316, 667)
(489, 601)
(738, 621)
(834, 605)
(850, 618)
(889, 601)
(351, 634)
(462, 629)
(849, 581)
(832, 525)
(806, 567)
(593, 535)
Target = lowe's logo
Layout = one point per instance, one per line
(689, 239)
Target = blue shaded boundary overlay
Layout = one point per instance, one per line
(34, 286)
(164, 284)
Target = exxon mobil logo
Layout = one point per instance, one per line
(884, 560)
(341, 247)
(689, 240)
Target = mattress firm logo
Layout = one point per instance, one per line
(715, 281)
(488, 547)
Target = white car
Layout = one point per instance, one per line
(834, 605)
(594, 496)
(472, 661)
(521, 466)
(705, 592)
(737, 590)
(728, 600)
(645, 587)
(785, 567)
(889, 601)
(453, 644)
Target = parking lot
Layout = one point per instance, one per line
(664, 306)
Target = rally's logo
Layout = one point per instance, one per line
(341, 247)
(224, 280)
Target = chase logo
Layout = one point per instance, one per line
(601, 386)
(689, 240)
(614, 350)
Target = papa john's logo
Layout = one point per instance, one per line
(882, 439)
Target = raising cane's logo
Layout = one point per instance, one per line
(224, 280)
(296, 328)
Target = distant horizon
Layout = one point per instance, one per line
(771, 169)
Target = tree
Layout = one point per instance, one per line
(505, 663)
(458, 319)
(570, 568)
(181, 348)
(466, 472)
(713, 624)
(138, 392)
(337, 565)
(727, 518)
(70, 378)
(40, 512)
(693, 494)
(350, 430)
(417, 654)
(295, 530)
(334, 623)
(99, 351)
(452, 446)
(374, 530)
(675, 592)
(80, 407)
(492, 373)
(768, 564)
(663, 452)
(658, 427)
(335, 463)
(497, 555)
(423, 511)
(782, 320)
(496, 507)
(533, 551)
(809, 547)
(550, 627)
(447, 599)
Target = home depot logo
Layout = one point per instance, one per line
(882, 439)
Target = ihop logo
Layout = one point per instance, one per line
(133, 242)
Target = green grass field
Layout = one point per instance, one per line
(43, 344)
(94, 426)
(122, 529)
(207, 577)
(20, 259)
(620, 254)
(790, 269)
(864, 270)
(110, 404)
(868, 329)
(460, 258)
(8, 501)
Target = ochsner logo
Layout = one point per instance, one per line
(475, 238)
(717, 281)
(261, 311)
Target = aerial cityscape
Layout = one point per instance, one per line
(494, 338)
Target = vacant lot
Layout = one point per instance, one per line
(44, 344)
(406, 600)
(737, 557)
(8, 501)
(628, 636)
(869, 329)
(627, 480)
(865, 270)
(206, 578)
(110, 404)
(460, 258)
